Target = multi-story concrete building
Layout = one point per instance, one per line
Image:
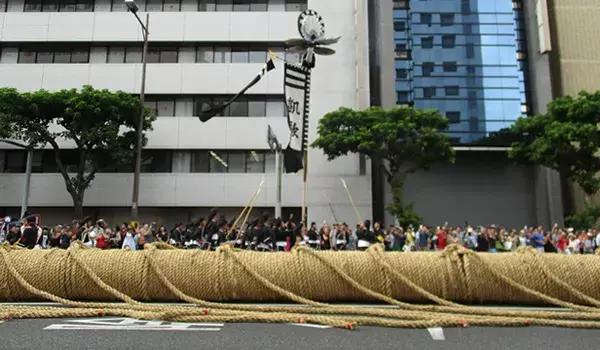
(200, 50)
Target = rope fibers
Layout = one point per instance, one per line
(429, 289)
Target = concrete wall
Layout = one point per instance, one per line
(481, 187)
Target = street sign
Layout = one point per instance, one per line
(131, 324)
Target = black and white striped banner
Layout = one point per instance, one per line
(297, 98)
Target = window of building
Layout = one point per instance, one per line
(465, 6)
(427, 68)
(154, 5)
(157, 161)
(222, 55)
(427, 42)
(68, 5)
(402, 97)
(169, 55)
(26, 56)
(14, 161)
(255, 162)
(429, 92)
(450, 66)
(50, 6)
(200, 162)
(239, 55)
(258, 5)
(236, 161)
(80, 56)
(257, 106)
(224, 5)
(165, 108)
(452, 90)
(399, 26)
(401, 4)
(474, 124)
(448, 41)
(207, 5)
(44, 57)
(205, 54)
(116, 54)
(218, 162)
(153, 55)
(295, 5)
(402, 53)
(401, 73)
(257, 55)
(133, 55)
(447, 19)
(471, 70)
(239, 108)
(172, 5)
(62, 56)
(470, 50)
(241, 5)
(426, 18)
(32, 6)
(118, 6)
(453, 117)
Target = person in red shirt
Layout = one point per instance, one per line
(442, 238)
(562, 242)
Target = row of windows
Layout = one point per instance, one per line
(190, 105)
(154, 161)
(450, 19)
(226, 53)
(165, 5)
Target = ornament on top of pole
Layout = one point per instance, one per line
(311, 28)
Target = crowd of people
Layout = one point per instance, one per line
(274, 234)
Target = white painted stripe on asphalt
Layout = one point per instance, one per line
(310, 325)
(70, 327)
(436, 333)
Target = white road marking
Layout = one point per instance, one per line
(436, 333)
(310, 325)
(131, 324)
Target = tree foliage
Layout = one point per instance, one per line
(100, 124)
(565, 139)
(404, 139)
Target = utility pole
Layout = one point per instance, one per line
(133, 8)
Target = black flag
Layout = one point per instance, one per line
(211, 111)
(297, 98)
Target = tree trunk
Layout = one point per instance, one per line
(77, 204)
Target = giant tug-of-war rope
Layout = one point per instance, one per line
(428, 289)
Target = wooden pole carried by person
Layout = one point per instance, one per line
(246, 207)
(356, 212)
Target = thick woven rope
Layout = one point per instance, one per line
(95, 282)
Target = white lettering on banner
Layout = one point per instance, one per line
(131, 324)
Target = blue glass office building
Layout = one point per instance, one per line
(465, 58)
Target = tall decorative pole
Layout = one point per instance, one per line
(297, 92)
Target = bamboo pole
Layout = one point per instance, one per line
(251, 201)
(356, 212)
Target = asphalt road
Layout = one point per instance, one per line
(121, 333)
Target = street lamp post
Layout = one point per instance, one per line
(133, 8)
(28, 166)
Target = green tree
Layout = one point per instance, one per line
(405, 140)
(99, 124)
(566, 138)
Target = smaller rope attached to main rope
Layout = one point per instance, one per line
(445, 314)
